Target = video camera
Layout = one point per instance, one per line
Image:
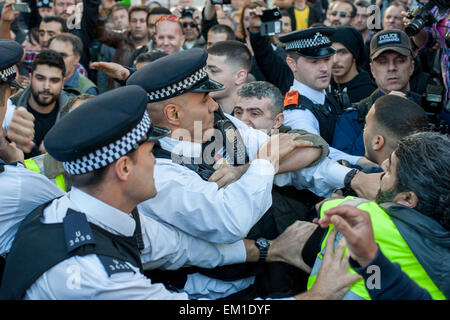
(271, 22)
(433, 103)
(187, 12)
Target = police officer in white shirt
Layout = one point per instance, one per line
(21, 190)
(92, 243)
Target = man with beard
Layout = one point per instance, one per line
(43, 99)
(348, 79)
(343, 13)
(410, 219)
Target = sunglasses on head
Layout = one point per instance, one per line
(341, 14)
(169, 18)
(189, 24)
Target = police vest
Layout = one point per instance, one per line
(38, 247)
(390, 241)
(326, 114)
(36, 164)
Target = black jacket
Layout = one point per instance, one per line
(360, 87)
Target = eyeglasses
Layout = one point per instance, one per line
(342, 14)
(189, 24)
(169, 18)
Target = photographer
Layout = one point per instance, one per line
(427, 26)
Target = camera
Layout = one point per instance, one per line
(271, 22)
(433, 103)
(421, 17)
(220, 2)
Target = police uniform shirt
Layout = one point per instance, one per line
(202, 210)
(305, 119)
(21, 191)
(10, 109)
(85, 277)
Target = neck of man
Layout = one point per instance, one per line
(141, 42)
(349, 76)
(227, 103)
(300, 4)
(38, 108)
(112, 195)
(365, 34)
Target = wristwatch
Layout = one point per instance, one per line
(263, 245)
(348, 179)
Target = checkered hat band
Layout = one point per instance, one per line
(173, 89)
(308, 43)
(6, 73)
(110, 153)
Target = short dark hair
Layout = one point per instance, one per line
(236, 53)
(60, 20)
(118, 7)
(397, 4)
(150, 56)
(160, 11)
(138, 8)
(94, 178)
(423, 168)
(399, 117)
(263, 89)
(350, 2)
(77, 45)
(222, 28)
(50, 58)
(362, 3)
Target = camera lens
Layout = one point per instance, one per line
(414, 27)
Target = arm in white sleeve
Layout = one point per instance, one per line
(301, 119)
(169, 248)
(201, 209)
(336, 154)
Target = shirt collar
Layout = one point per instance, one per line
(312, 94)
(182, 148)
(119, 221)
(73, 80)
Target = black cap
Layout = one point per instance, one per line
(390, 40)
(102, 130)
(11, 54)
(174, 75)
(311, 42)
(352, 40)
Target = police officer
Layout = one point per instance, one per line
(188, 198)
(21, 189)
(92, 239)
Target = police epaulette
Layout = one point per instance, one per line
(291, 98)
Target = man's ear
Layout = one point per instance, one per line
(407, 198)
(173, 114)
(77, 58)
(292, 64)
(241, 77)
(413, 63)
(378, 143)
(278, 121)
(122, 168)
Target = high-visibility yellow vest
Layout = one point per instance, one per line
(390, 241)
(36, 164)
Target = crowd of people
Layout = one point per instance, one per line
(151, 150)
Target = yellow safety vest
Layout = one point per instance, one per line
(32, 165)
(390, 241)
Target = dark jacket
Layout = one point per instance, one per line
(359, 88)
(121, 41)
(348, 133)
(314, 16)
(272, 65)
